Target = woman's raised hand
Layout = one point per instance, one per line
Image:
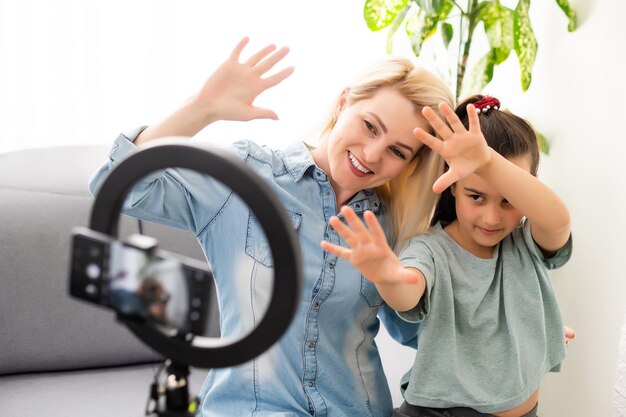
(230, 91)
(228, 94)
(464, 150)
(368, 249)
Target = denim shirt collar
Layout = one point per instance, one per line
(298, 160)
(366, 200)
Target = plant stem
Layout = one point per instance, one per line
(457, 5)
(466, 46)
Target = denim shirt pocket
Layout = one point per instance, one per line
(257, 245)
(370, 293)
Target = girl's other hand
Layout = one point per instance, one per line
(570, 335)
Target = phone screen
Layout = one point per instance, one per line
(148, 286)
(155, 285)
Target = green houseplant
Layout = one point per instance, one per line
(505, 29)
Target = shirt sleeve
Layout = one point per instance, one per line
(400, 330)
(175, 197)
(556, 260)
(418, 255)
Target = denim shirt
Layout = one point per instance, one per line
(327, 363)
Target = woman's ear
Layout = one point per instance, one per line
(344, 95)
(453, 189)
(341, 102)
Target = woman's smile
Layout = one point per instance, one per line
(357, 167)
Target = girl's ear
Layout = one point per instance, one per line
(453, 189)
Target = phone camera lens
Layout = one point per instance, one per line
(91, 289)
(93, 271)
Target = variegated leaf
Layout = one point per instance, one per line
(394, 27)
(379, 14)
(481, 9)
(570, 13)
(421, 25)
(525, 43)
(498, 23)
(414, 25)
(481, 74)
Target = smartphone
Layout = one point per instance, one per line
(137, 280)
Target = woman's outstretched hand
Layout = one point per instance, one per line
(368, 252)
(228, 94)
(464, 150)
(230, 91)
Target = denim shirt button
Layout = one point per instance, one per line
(311, 384)
(316, 305)
(331, 265)
(311, 345)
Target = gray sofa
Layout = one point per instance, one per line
(60, 357)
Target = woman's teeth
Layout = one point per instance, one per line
(357, 165)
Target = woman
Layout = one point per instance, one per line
(327, 363)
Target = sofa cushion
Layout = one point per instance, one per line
(43, 195)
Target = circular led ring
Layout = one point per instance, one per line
(263, 202)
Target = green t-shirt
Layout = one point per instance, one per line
(491, 328)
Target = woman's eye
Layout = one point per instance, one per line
(397, 152)
(476, 197)
(370, 127)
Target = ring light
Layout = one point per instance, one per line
(205, 352)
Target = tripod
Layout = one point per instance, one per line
(170, 397)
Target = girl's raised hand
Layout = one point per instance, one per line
(368, 249)
(464, 150)
(230, 91)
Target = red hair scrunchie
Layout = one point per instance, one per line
(486, 103)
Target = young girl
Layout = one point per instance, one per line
(327, 363)
(478, 280)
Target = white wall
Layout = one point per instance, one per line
(78, 72)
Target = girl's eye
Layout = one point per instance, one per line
(476, 197)
(370, 127)
(505, 203)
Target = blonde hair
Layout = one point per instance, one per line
(409, 199)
